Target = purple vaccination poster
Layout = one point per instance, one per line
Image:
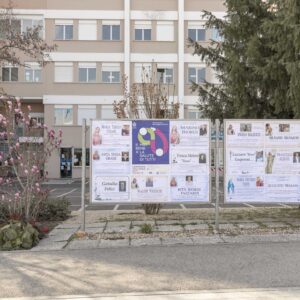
(150, 142)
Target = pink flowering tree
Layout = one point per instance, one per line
(22, 162)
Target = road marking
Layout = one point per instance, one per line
(249, 205)
(182, 206)
(67, 193)
(116, 207)
(80, 209)
(284, 205)
(53, 190)
(213, 204)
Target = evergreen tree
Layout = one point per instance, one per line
(256, 61)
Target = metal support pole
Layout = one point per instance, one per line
(83, 173)
(217, 175)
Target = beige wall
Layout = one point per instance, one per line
(198, 5)
(85, 5)
(154, 4)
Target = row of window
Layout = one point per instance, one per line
(110, 73)
(87, 30)
(111, 30)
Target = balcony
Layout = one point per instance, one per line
(31, 135)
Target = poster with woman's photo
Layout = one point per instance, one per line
(111, 160)
(189, 133)
(282, 133)
(244, 133)
(243, 188)
(111, 133)
(273, 157)
(189, 187)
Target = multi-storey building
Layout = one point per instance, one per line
(97, 42)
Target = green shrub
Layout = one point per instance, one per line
(4, 213)
(146, 228)
(54, 210)
(18, 235)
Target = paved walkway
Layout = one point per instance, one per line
(239, 294)
(164, 233)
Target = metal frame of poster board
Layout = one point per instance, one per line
(276, 121)
(129, 202)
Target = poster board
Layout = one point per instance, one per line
(150, 161)
(262, 161)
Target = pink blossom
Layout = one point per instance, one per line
(17, 145)
(6, 163)
(29, 107)
(17, 195)
(17, 110)
(26, 172)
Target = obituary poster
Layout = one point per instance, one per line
(266, 152)
(150, 161)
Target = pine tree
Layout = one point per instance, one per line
(257, 67)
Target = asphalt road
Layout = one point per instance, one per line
(149, 269)
(71, 189)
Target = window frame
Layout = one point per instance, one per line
(198, 67)
(111, 24)
(87, 67)
(165, 76)
(79, 150)
(143, 26)
(197, 26)
(64, 107)
(33, 67)
(64, 24)
(109, 68)
(9, 67)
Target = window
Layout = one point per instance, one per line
(63, 115)
(142, 73)
(10, 73)
(7, 26)
(87, 112)
(165, 73)
(87, 72)
(111, 30)
(215, 35)
(107, 112)
(87, 30)
(142, 30)
(63, 72)
(111, 73)
(64, 30)
(36, 119)
(31, 24)
(77, 157)
(196, 31)
(196, 74)
(33, 72)
(165, 31)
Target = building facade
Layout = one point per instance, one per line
(97, 42)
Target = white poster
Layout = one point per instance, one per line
(149, 188)
(262, 160)
(189, 187)
(111, 188)
(138, 161)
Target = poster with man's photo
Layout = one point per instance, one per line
(149, 188)
(110, 189)
(271, 153)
